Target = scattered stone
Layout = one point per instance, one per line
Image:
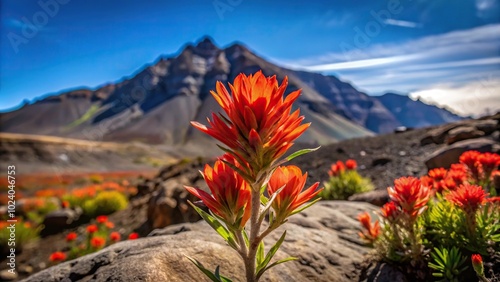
(5, 275)
(446, 156)
(375, 197)
(25, 269)
(381, 161)
(362, 153)
(438, 135)
(402, 153)
(378, 272)
(168, 205)
(60, 219)
(463, 133)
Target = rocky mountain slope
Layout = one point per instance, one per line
(156, 104)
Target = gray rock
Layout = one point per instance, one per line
(323, 238)
(438, 135)
(487, 126)
(463, 133)
(378, 272)
(375, 197)
(60, 219)
(448, 155)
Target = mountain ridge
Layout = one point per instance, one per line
(156, 103)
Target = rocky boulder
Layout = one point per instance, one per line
(463, 133)
(323, 238)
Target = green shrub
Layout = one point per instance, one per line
(105, 202)
(24, 231)
(344, 182)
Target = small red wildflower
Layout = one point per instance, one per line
(231, 194)
(65, 204)
(71, 237)
(438, 174)
(109, 224)
(351, 164)
(291, 198)
(92, 228)
(470, 159)
(489, 162)
(101, 219)
(477, 264)
(410, 195)
(133, 236)
(115, 236)
(390, 211)
(468, 197)
(97, 242)
(370, 232)
(337, 168)
(57, 256)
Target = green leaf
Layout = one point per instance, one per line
(275, 264)
(263, 199)
(213, 277)
(270, 254)
(260, 252)
(300, 153)
(217, 226)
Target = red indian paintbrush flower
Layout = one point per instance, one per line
(468, 197)
(115, 236)
(489, 162)
(258, 126)
(351, 164)
(477, 264)
(57, 256)
(291, 198)
(410, 195)
(133, 236)
(231, 194)
(337, 168)
(92, 228)
(97, 242)
(438, 174)
(371, 231)
(71, 237)
(101, 219)
(469, 159)
(390, 211)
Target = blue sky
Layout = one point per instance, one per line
(447, 52)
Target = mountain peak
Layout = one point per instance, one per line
(206, 47)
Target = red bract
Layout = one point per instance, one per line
(92, 228)
(410, 195)
(71, 237)
(97, 242)
(477, 264)
(370, 232)
(390, 211)
(351, 164)
(468, 197)
(102, 219)
(489, 162)
(115, 236)
(109, 225)
(470, 159)
(57, 256)
(231, 194)
(259, 127)
(291, 198)
(336, 168)
(438, 174)
(133, 236)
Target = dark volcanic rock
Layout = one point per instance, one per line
(463, 133)
(448, 155)
(376, 197)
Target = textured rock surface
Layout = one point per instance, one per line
(375, 197)
(323, 238)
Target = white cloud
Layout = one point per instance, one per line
(475, 98)
(402, 23)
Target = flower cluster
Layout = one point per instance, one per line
(257, 128)
(96, 237)
(447, 213)
(344, 181)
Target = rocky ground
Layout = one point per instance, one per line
(330, 227)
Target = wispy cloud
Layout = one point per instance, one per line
(402, 23)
